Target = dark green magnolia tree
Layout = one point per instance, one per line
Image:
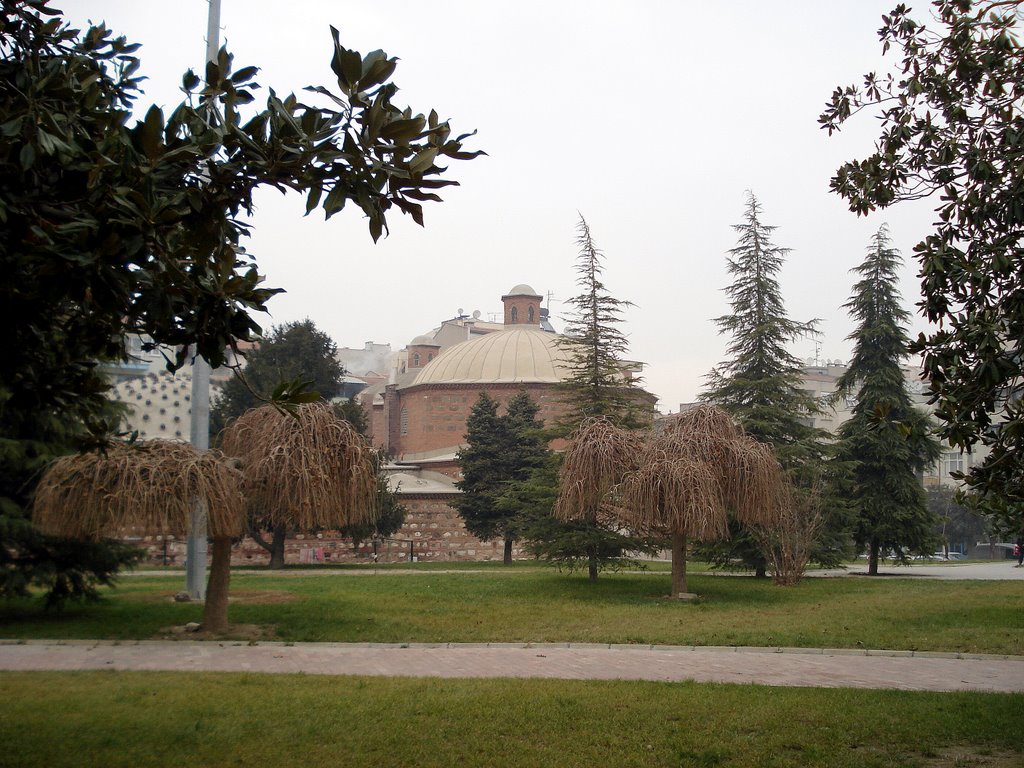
(112, 226)
(600, 383)
(499, 451)
(951, 126)
(760, 384)
(886, 442)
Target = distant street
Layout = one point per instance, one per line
(996, 570)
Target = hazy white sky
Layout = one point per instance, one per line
(651, 118)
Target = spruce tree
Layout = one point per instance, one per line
(760, 384)
(887, 441)
(486, 467)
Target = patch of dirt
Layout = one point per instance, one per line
(235, 597)
(967, 757)
(244, 632)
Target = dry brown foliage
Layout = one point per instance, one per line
(598, 455)
(749, 474)
(681, 478)
(307, 468)
(146, 488)
(673, 494)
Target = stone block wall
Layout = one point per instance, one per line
(433, 531)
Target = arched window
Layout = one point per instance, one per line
(403, 421)
(514, 314)
(415, 359)
(530, 315)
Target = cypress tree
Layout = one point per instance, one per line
(887, 441)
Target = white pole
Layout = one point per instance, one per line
(195, 572)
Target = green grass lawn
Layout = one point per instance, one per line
(161, 719)
(543, 605)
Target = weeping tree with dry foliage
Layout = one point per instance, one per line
(147, 488)
(303, 468)
(679, 481)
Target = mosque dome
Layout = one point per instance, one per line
(522, 290)
(523, 354)
(424, 340)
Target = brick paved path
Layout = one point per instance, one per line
(789, 666)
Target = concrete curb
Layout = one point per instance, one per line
(527, 645)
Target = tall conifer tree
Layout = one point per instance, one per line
(500, 451)
(760, 384)
(600, 384)
(886, 441)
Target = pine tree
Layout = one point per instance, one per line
(486, 468)
(500, 451)
(886, 441)
(760, 383)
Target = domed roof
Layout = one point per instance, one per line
(524, 354)
(425, 340)
(522, 290)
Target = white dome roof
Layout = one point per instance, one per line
(522, 290)
(524, 354)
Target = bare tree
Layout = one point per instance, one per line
(788, 542)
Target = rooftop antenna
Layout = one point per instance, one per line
(817, 352)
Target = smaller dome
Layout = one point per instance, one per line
(522, 290)
(425, 340)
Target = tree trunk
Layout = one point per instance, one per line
(760, 571)
(592, 564)
(215, 612)
(678, 564)
(873, 559)
(508, 550)
(277, 547)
